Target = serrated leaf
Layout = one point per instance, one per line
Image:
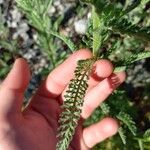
(105, 108)
(73, 103)
(128, 121)
(147, 134)
(122, 135)
(65, 39)
(133, 58)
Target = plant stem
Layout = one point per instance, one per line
(140, 145)
(48, 4)
(50, 52)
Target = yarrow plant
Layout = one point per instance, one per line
(105, 18)
(109, 26)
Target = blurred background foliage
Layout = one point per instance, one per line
(44, 43)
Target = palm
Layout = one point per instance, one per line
(37, 132)
(36, 127)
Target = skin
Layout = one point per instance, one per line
(34, 128)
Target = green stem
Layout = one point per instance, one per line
(140, 145)
(66, 40)
(50, 52)
(48, 4)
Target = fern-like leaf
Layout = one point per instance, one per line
(146, 136)
(128, 121)
(133, 58)
(123, 26)
(65, 39)
(147, 133)
(73, 102)
(122, 135)
(105, 108)
(140, 144)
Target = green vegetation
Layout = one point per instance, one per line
(117, 30)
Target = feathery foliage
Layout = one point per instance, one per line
(105, 108)
(37, 15)
(107, 19)
(147, 134)
(127, 120)
(73, 103)
(8, 48)
(123, 64)
(111, 27)
(122, 135)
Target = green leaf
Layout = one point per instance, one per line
(125, 27)
(4, 71)
(147, 134)
(120, 69)
(122, 135)
(133, 58)
(105, 108)
(65, 39)
(140, 144)
(97, 39)
(73, 102)
(132, 6)
(47, 5)
(128, 121)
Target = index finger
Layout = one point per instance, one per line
(58, 79)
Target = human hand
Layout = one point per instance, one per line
(35, 127)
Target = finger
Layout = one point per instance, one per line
(58, 80)
(99, 132)
(102, 69)
(99, 93)
(13, 87)
(43, 101)
(59, 77)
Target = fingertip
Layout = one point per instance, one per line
(21, 63)
(19, 75)
(110, 126)
(67, 68)
(60, 77)
(22, 68)
(100, 131)
(102, 69)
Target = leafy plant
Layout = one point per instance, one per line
(106, 18)
(124, 42)
(73, 101)
(37, 15)
(8, 49)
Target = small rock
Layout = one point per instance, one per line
(1, 1)
(81, 26)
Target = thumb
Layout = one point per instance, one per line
(13, 87)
